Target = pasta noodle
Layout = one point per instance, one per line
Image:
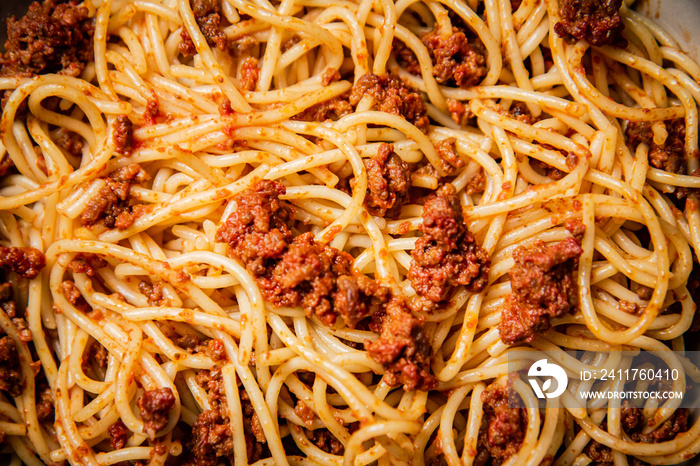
(306, 232)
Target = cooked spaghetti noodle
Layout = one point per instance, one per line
(307, 232)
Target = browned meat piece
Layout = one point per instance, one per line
(326, 441)
(447, 150)
(26, 262)
(301, 272)
(52, 37)
(460, 113)
(504, 424)
(208, 16)
(669, 156)
(392, 95)
(186, 46)
(305, 413)
(249, 73)
(477, 183)
(456, 62)
(123, 135)
(10, 374)
(154, 293)
(447, 254)
(258, 230)
(388, 182)
(320, 279)
(70, 142)
(153, 407)
(331, 109)
(331, 75)
(595, 21)
(212, 437)
(87, 263)
(112, 206)
(118, 435)
(403, 348)
(6, 163)
(44, 402)
(72, 294)
(520, 112)
(543, 286)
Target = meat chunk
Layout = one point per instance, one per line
(44, 402)
(301, 272)
(331, 109)
(388, 182)
(118, 435)
(669, 156)
(505, 423)
(633, 422)
(10, 373)
(456, 61)
(52, 37)
(113, 205)
(542, 286)
(212, 437)
(325, 441)
(392, 95)
(403, 348)
(595, 21)
(447, 254)
(123, 135)
(320, 279)
(26, 262)
(154, 406)
(70, 142)
(249, 73)
(87, 263)
(447, 151)
(258, 231)
(207, 13)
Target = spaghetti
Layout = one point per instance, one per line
(306, 232)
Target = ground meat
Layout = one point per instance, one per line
(595, 21)
(504, 424)
(70, 142)
(461, 114)
(112, 206)
(630, 307)
(44, 402)
(26, 262)
(10, 374)
(118, 435)
(388, 182)
(152, 110)
(123, 135)
(320, 279)
(72, 294)
(392, 95)
(301, 272)
(96, 354)
(542, 286)
(456, 61)
(447, 151)
(405, 57)
(305, 413)
(154, 293)
(520, 112)
(447, 254)
(208, 16)
(476, 183)
(153, 407)
(331, 75)
(325, 441)
(331, 109)
(249, 73)
(258, 231)
(186, 47)
(632, 422)
(52, 37)
(669, 156)
(87, 263)
(403, 348)
(212, 437)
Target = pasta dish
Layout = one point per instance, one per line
(307, 232)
